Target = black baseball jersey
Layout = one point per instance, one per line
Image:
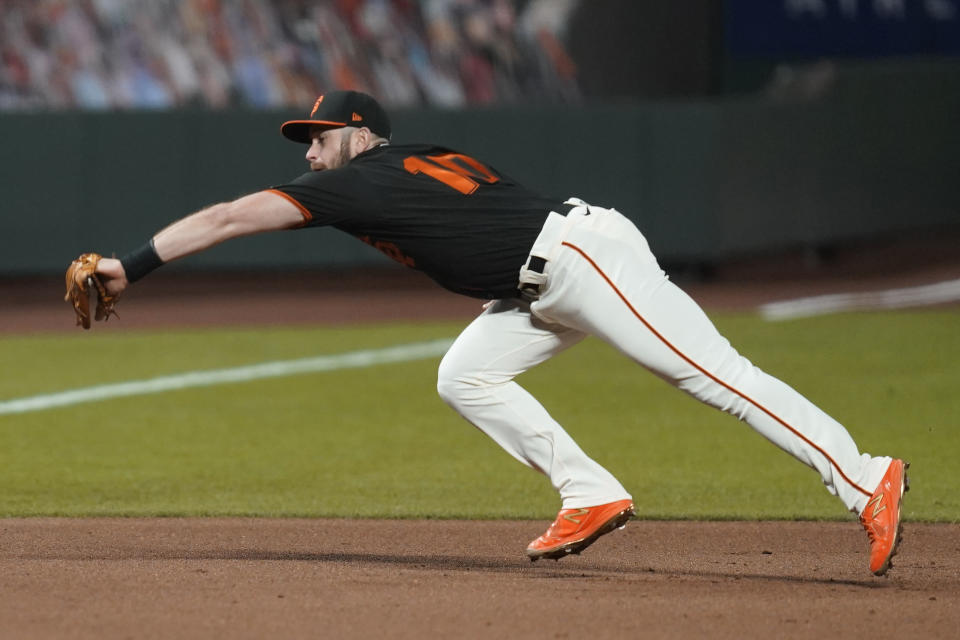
(462, 222)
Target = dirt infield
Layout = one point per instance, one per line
(250, 578)
(260, 578)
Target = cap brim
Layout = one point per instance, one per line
(299, 130)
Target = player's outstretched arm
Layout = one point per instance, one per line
(255, 213)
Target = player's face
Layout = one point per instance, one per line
(329, 149)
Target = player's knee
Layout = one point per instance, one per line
(445, 388)
(448, 385)
(457, 384)
(729, 387)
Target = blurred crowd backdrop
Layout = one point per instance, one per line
(448, 54)
(157, 54)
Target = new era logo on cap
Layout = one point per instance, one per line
(340, 109)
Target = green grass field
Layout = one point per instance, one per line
(378, 442)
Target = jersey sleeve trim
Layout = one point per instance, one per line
(307, 216)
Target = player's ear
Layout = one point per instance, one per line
(364, 136)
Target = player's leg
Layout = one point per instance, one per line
(476, 378)
(605, 281)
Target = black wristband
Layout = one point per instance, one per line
(140, 261)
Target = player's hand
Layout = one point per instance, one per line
(114, 277)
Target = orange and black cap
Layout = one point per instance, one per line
(340, 109)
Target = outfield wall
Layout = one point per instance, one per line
(877, 153)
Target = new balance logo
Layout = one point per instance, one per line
(877, 507)
(580, 512)
(356, 117)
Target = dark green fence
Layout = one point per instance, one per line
(878, 153)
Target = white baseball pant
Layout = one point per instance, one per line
(602, 279)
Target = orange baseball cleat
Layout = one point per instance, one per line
(576, 529)
(881, 517)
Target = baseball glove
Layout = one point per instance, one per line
(82, 279)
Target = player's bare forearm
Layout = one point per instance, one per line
(255, 213)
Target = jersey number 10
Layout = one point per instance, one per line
(455, 170)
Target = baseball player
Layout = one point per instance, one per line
(554, 272)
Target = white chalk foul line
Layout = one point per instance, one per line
(192, 379)
(938, 293)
